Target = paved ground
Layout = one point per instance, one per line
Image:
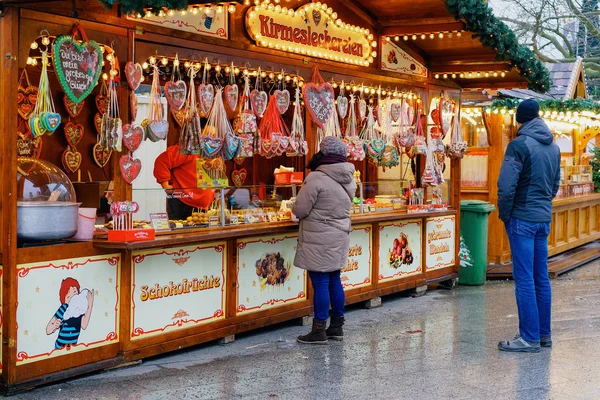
(439, 346)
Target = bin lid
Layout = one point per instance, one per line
(477, 206)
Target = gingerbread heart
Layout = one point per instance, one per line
(50, 121)
(238, 177)
(133, 136)
(342, 106)
(101, 155)
(178, 116)
(133, 105)
(158, 130)
(319, 102)
(98, 123)
(73, 133)
(206, 96)
(231, 97)
(74, 109)
(362, 109)
(71, 160)
(102, 102)
(26, 99)
(316, 14)
(29, 145)
(395, 110)
(133, 74)
(282, 100)
(259, 101)
(211, 146)
(176, 92)
(410, 111)
(130, 168)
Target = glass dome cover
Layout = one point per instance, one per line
(39, 180)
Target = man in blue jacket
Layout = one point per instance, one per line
(529, 180)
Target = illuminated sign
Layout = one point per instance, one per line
(313, 30)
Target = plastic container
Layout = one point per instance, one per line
(85, 224)
(283, 178)
(474, 228)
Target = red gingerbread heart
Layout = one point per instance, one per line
(282, 100)
(133, 136)
(26, 99)
(98, 123)
(178, 116)
(73, 133)
(101, 155)
(319, 102)
(133, 74)
(27, 144)
(259, 100)
(102, 103)
(130, 168)
(74, 109)
(239, 177)
(133, 105)
(176, 92)
(71, 160)
(231, 97)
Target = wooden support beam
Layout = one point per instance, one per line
(478, 67)
(421, 28)
(493, 85)
(403, 20)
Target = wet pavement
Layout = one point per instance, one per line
(439, 346)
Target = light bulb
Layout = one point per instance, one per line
(437, 76)
(152, 60)
(405, 38)
(164, 61)
(445, 76)
(441, 35)
(219, 9)
(431, 36)
(217, 68)
(171, 13)
(422, 36)
(34, 45)
(45, 40)
(231, 8)
(396, 38)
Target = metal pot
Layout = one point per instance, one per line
(46, 220)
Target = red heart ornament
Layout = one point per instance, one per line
(71, 160)
(102, 103)
(29, 145)
(316, 14)
(206, 96)
(259, 100)
(73, 133)
(178, 116)
(133, 136)
(238, 177)
(98, 123)
(26, 99)
(130, 168)
(395, 110)
(133, 105)
(319, 102)
(74, 109)
(282, 100)
(159, 129)
(176, 92)
(362, 109)
(101, 155)
(231, 97)
(133, 74)
(342, 106)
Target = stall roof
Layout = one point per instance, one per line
(481, 66)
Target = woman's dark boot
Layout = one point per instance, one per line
(335, 331)
(317, 335)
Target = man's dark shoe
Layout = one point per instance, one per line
(519, 345)
(317, 335)
(546, 341)
(335, 331)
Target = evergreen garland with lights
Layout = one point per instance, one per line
(595, 163)
(570, 105)
(495, 35)
(140, 7)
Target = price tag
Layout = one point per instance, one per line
(271, 217)
(160, 222)
(213, 221)
(234, 220)
(372, 208)
(397, 205)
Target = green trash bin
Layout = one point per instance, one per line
(474, 228)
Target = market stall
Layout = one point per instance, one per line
(488, 124)
(244, 93)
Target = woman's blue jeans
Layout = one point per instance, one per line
(529, 248)
(328, 289)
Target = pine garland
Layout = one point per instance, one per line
(570, 105)
(595, 163)
(140, 7)
(495, 35)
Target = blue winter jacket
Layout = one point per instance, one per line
(530, 174)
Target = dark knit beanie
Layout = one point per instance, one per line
(528, 110)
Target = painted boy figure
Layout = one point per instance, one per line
(73, 315)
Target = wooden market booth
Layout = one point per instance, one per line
(488, 124)
(194, 285)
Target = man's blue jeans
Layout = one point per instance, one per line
(328, 289)
(529, 248)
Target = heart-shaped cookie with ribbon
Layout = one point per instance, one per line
(130, 168)
(231, 97)
(158, 130)
(231, 145)
(73, 133)
(77, 65)
(395, 110)
(282, 100)
(176, 92)
(101, 155)
(211, 146)
(98, 123)
(102, 102)
(133, 106)
(74, 109)
(50, 121)
(133, 136)
(27, 144)
(259, 100)
(319, 102)
(362, 109)
(26, 99)
(206, 97)
(178, 116)
(71, 160)
(342, 106)
(134, 74)
(238, 177)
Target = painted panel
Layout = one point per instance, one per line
(67, 306)
(400, 252)
(207, 24)
(393, 58)
(267, 277)
(440, 246)
(177, 288)
(360, 261)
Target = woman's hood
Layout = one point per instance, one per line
(343, 173)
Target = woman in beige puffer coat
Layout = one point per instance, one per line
(323, 207)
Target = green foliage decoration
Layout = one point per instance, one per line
(571, 105)
(595, 163)
(495, 35)
(137, 6)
